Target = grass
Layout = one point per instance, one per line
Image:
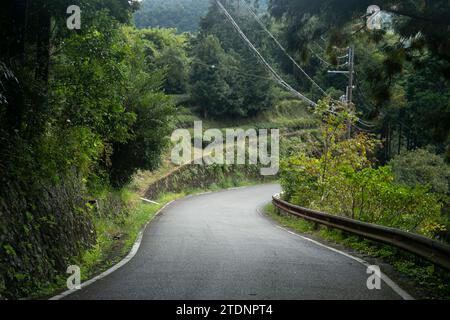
(287, 114)
(116, 237)
(434, 282)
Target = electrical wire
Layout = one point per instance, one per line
(212, 66)
(320, 58)
(274, 74)
(328, 64)
(361, 129)
(282, 48)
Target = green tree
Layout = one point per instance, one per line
(402, 72)
(421, 167)
(209, 74)
(153, 109)
(69, 101)
(339, 178)
(430, 18)
(184, 15)
(245, 82)
(167, 50)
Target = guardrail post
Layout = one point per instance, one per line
(277, 210)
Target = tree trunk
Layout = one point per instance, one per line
(40, 105)
(43, 47)
(13, 23)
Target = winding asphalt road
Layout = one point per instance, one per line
(217, 246)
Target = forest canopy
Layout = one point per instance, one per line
(183, 15)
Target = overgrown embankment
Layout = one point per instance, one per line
(194, 176)
(42, 226)
(341, 175)
(97, 234)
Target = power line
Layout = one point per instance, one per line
(328, 64)
(367, 124)
(364, 97)
(320, 58)
(315, 42)
(276, 76)
(212, 66)
(361, 129)
(350, 88)
(282, 48)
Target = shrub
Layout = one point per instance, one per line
(421, 167)
(340, 178)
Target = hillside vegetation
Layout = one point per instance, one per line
(86, 116)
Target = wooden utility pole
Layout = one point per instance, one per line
(350, 87)
(351, 70)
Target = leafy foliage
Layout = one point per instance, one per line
(421, 167)
(184, 15)
(166, 50)
(402, 72)
(411, 17)
(226, 78)
(339, 178)
(78, 110)
(82, 111)
(153, 109)
(210, 84)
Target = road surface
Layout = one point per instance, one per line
(217, 246)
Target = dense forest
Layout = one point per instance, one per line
(184, 15)
(82, 111)
(398, 71)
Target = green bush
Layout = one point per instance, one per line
(421, 167)
(339, 178)
(98, 115)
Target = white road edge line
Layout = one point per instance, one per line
(134, 249)
(149, 201)
(402, 293)
(119, 265)
(397, 289)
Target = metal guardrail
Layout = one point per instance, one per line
(432, 250)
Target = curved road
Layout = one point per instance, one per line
(217, 246)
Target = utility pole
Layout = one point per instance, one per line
(351, 70)
(350, 87)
